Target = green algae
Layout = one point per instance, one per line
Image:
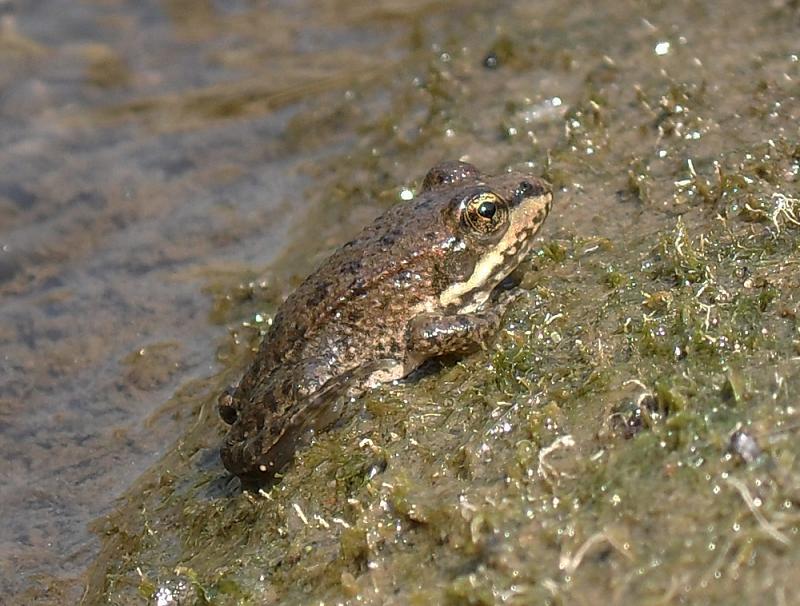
(586, 454)
(497, 474)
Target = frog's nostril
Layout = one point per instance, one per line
(525, 189)
(530, 189)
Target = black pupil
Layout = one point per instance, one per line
(487, 210)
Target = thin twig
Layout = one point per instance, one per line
(751, 505)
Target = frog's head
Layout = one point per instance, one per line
(492, 221)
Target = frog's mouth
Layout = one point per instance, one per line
(527, 216)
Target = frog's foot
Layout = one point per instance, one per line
(257, 459)
(430, 335)
(506, 294)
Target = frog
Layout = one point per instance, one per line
(425, 280)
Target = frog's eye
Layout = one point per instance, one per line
(484, 212)
(487, 209)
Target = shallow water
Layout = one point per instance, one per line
(168, 169)
(140, 160)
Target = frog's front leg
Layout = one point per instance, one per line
(432, 335)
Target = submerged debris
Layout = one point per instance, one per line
(744, 445)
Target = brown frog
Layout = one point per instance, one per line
(419, 282)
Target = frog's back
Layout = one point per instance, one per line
(367, 283)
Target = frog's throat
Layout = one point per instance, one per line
(499, 261)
